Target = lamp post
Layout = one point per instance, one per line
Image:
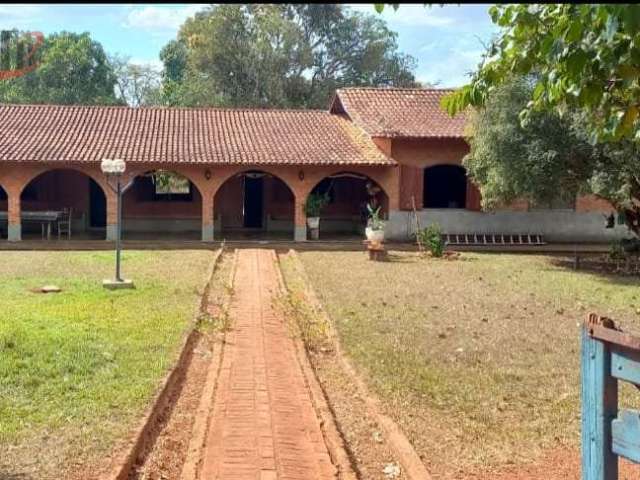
(114, 169)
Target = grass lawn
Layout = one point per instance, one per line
(77, 368)
(477, 359)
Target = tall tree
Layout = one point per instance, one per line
(549, 158)
(586, 56)
(279, 56)
(137, 85)
(73, 69)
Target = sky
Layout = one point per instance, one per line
(447, 41)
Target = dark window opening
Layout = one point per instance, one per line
(3, 194)
(445, 186)
(97, 205)
(30, 192)
(326, 186)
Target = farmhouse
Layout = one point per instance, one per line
(210, 173)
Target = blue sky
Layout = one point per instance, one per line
(447, 41)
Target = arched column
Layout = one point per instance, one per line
(14, 228)
(15, 178)
(208, 234)
(299, 217)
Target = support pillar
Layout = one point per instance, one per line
(207, 218)
(14, 228)
(112, 215)
(300, 220)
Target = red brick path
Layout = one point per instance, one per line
(263, 425)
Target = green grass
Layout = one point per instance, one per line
(477, 359)
(81, 365)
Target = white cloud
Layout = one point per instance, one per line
(155, 64)
(409, 15)
(160, 18)
(451, 68)
(18, 16)
(9, 11)
(417, 16)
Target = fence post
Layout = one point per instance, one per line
(599, 408)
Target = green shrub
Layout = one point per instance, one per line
(315, 203)
(431, 238)
(374, 221)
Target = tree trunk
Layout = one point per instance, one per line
(632, 218)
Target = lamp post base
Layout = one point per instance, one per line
(117, 285)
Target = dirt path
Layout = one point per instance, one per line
(263, 424)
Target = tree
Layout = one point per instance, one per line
(289, 55)
(73, 69)
(585, 56)
(136, 85)
(549, 158)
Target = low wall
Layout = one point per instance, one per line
(555, 225)
(173, 225)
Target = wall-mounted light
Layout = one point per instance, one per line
(207, 174)
(301, 175)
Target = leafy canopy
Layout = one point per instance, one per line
(585, 56)
(288, 55)
(548, 160)
(543, 161)
(73, 69)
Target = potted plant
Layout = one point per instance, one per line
(375, 225)
(313, 206)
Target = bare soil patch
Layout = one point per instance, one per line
(166, 455)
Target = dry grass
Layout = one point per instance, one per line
(477, 359)
(366, 444)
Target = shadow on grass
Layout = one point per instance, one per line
(4, 475)
(619, 273)
(396, 258)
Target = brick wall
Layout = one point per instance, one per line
(414, 155)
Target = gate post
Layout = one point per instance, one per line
(599, 409)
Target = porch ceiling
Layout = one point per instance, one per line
(49, 133)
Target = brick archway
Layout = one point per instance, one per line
(254, 203)
(348, 194)
(168, 205)
(65, 188)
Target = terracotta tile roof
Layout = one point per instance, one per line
(225, 136)
(399, 112)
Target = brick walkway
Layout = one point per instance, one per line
(263, 425)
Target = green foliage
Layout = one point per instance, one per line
(315, 203)
(83, 364)
(286, 55)
(431, 237)
(585, 56)
(73, 69)
(549, 159)
(540, 162)
(375, 221)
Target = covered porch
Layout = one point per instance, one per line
(73, 202)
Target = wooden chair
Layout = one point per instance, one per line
(64, 223)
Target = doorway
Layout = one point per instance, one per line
(97, 206)
(253, 200)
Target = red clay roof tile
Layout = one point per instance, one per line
(51, 133)
(399, 112)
